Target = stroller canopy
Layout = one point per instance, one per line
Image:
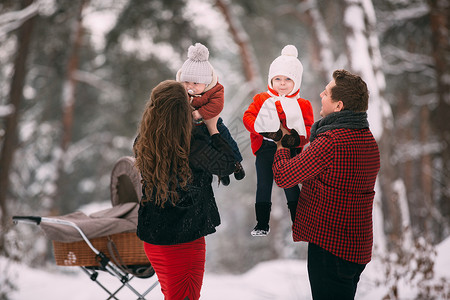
(125, 182)
(122, 217)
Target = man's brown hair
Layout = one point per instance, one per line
(351, 90)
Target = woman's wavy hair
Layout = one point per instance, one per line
(163, 143)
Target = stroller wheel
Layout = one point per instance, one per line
(143, 271)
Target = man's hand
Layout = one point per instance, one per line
(276, 136)
(284, 132)
(291, 140)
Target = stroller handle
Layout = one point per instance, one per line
(38, 220)
(27, 219)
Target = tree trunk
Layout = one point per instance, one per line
(440, 27)
(322, 56)
(426, 176)
(68, 99)
(365, 59)
(243, 97)
(10, 138)
(241, 39)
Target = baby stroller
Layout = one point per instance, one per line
(106, 240)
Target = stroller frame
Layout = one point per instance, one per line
(105, 264)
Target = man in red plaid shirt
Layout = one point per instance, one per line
(337, 172)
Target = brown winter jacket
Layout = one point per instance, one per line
(210, 103)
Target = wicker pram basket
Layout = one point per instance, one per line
(129, 246)
(125, 187)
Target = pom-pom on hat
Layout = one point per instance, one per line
(287, 65)
(197, 67)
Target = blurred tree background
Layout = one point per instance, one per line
(75, 75)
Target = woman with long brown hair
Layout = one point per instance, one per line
(178, 209)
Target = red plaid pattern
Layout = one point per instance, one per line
(338, 172)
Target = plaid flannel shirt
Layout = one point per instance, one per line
(338, 172)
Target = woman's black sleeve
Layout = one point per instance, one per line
(214, 155)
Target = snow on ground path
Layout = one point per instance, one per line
(275, 280)
(271, 280)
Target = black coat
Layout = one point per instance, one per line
(196, 214)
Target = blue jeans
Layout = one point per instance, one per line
(331, 277)
(225, 133)
(264, 175)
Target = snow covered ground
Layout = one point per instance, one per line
(271, 280)
(275, 280)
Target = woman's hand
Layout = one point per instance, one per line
(211, 124)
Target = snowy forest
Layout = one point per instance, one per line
(75, 76)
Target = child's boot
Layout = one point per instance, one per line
(225, 180)
(292, 206)
(262, 218)
(239, 172)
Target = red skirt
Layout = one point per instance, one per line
(179, 268)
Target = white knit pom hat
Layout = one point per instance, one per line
(197, 67)
(287, 65)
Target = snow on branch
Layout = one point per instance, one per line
(403, 15)
(414, 150)
(12, 20)
(399, 61)
(96, 82)
(6, 110)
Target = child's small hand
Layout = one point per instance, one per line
(196, 115)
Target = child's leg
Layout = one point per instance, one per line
(264, 173)
(292, 195)
(203, 127)
(239, 172)
(264, 176)
(225, 180)
(225, 133)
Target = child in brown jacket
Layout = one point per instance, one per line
(207, 98)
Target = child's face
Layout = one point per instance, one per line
(282, 85)
(194, 88)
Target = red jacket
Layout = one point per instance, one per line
(210, 103)
(252, 112)
(338, 172)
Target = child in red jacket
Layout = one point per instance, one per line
(281, 105)
(207, 98)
